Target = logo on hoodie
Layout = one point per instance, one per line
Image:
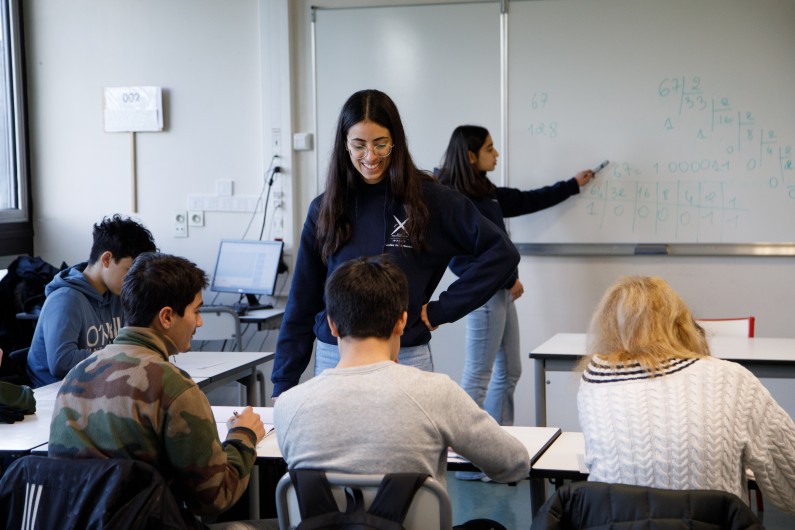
(399, 237)
(97, 337)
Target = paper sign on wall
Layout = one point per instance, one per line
(133, 109)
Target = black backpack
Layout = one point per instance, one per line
(22, 290)
(387, 511)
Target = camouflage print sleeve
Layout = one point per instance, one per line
(210, 476)
(18, 396)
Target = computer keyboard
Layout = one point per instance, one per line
(243, 309)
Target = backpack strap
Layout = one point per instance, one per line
(313, 492)
(354, 499)
(395, 494)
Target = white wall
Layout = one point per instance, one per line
(232, 72)
(208, 57)
(221, 65)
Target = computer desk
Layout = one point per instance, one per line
(765, 357)
(265, 319)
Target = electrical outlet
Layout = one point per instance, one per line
(276, 141)
(196, 218)
(180, 224)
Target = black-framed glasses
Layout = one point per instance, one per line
(359, 150)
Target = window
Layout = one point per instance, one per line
(16, 231)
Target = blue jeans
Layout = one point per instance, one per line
(328, 355)
(493, 363)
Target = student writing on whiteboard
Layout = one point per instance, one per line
(493, 365)
(378, 202)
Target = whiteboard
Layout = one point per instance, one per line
(438, 63)
(691, 100)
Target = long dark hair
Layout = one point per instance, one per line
(404, 179)
(457, 171)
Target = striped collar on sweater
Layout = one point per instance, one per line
(599, 371)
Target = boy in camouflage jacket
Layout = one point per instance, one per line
(128, 401)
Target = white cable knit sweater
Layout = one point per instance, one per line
(698, 424)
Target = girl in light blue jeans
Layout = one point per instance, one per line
(493, 365)
(492, 355)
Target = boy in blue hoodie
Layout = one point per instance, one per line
(82, 312)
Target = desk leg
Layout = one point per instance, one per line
(251, 388)
(253, 493)
(541, 393)
(538, 494)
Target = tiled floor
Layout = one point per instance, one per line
(510, 505)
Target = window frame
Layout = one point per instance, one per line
(16, 226)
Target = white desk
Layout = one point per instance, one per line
(563, 460)
(535, 439)
(767, 358)
(264, 318)
(19, 438)
(208, 369)
(213, 369)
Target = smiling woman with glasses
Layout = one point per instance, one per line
(378, 202)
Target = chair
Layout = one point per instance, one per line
(222, 323)
(430, 504)
(601, 505)
(65, 493)
(733, 327)
(728, 327)
(15, 368)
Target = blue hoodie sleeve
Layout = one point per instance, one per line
(296, 336)
(63, 323)
(494, 257)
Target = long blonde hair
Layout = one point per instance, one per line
(641, 319)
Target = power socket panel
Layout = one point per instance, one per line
(180, 224)
(195, 218)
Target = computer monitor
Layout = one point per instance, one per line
(247, 267)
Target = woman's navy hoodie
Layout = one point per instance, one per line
(455, 228)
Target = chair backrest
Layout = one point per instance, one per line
(597, 504)
(431, 505)
(728, 327)
(65, 493)
(15, 367)
(220, 323)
